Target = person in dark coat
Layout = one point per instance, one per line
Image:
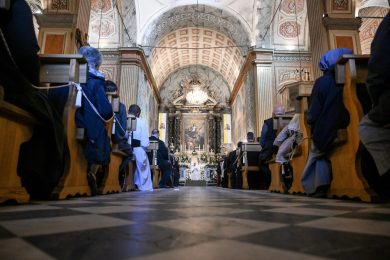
(175, 169)
(267, 138)
(226, 169)
(162, 160)
(92, 116)
(326, 115)
(374, 129)
(41, 159)
(235, 168)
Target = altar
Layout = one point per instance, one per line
(196, 166)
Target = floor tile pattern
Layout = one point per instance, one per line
(195, 223)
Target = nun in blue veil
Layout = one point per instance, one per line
(326, 115)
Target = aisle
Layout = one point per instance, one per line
(195, 223)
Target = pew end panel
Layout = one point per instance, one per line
(17, 126)
(249, 148)
(110, 183)
(62, 69)
(277, 184)
(347, 178)
(129, 180)
(74, 182)
(298, 162)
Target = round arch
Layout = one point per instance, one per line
(214, 80)
(221, 20)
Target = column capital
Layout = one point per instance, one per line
(53, 20)
(263, 56)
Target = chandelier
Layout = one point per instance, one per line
(196, 95)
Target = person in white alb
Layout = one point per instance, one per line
(140, 141)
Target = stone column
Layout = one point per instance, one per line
(250, 102)
(264, 86)
(218, 134)
(319, 42)
(171, 123)
(212, 136)
(177, 131)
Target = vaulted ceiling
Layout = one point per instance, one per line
(197, 34)
(191, 46)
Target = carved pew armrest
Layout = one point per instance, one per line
(341, 138)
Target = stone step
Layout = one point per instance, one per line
(195, 183)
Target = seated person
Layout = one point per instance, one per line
(267, 138)
(226, 168)
(326, 115)
(120, 135)
(268, 135)
(235, 168)
(286, 141)
(175, 168)
(374, 127)
(162, 160)
(140, 141)
(41, 159)
(92, 117)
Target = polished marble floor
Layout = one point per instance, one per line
(195, 223)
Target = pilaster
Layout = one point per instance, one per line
(264, 91)
(319, 42)
(132, 62)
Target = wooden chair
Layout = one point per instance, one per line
(152, 148)
(17, 126)
(348, 179)
(245, 164)
(65, 68)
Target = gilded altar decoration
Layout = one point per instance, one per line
(60, 5)
(340, 5)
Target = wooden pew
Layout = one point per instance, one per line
(245, 165)
(17, 126)
(110, 183)
(277, 184)
(298, 162)
(64, 68)
(129, 179)
(348, 179)
(152, 148)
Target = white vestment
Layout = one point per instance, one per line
(142, 175)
